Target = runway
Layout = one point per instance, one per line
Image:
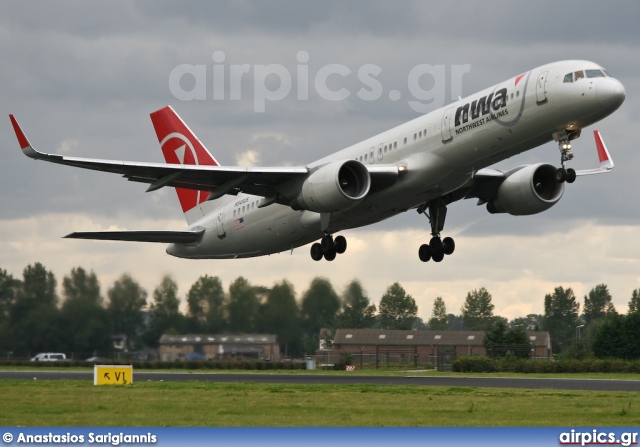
(308, 379)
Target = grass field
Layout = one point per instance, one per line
(79, 403)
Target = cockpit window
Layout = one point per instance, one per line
(594, 73)
(578, 75)
(568, 77)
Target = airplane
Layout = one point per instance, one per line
(424, 165)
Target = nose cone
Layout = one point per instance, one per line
(610, 93)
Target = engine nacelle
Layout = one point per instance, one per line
(530, 190)
(336, 186)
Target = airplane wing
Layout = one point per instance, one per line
(165, 237)
(485, 182)
(218, 180)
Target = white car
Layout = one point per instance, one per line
(49, 357)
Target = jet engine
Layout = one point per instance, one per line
(530, 190)
(333, 187)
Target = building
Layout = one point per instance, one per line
(219, 347)
(422, 346)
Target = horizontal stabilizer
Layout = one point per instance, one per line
(166, 237)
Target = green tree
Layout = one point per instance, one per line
(455, 323)
(357, 312)
(532, 322)
(634, 303)
(397, 309)
(319, 307)
(502, 342)
(86, 324)
(561, 317)
(281, 316)
(618, 337)
(439, 320)
(206, 303)
(597, 304)
(34, 315)
(477, 310)
(38, 289)
(242, 307)
(164, 312)
(8, 287)
(127, 300)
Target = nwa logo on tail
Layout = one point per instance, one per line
(481, 107)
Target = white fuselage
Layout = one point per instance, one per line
(440, 152)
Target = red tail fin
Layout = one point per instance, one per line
(180, 146)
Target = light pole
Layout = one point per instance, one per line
(578, 333)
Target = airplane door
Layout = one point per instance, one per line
(541, 84)
(220, 226)
(446, 124)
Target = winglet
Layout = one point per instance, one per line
(606, 162)
(603, 154)
(26, 147)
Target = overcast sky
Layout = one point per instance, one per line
(82, 77)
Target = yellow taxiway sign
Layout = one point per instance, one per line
(112, 374)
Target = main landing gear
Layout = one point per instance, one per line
(328, 248)
(437, 248)
(563, 138)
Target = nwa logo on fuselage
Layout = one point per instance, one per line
(480, 107)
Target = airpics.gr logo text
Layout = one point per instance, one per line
(427, 85)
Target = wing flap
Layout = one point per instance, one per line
(166, 237)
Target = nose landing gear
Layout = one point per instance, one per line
(563, 138)
(437, 248)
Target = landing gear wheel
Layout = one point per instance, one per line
(435, 244)
(448, 245)
(424, 253)
(438, 256)
(330, 255)
(316, 252)
(571, 175)
(326, 243)
(340, 244)
(561, 175)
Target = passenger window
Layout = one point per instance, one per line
(568, 77)
(361, 158)
(415, 136)
(594, 74)
(395, 144)
(385, 149)
(365, 157)
(234, 213)
(518, 94)
(243, 209)
(578, 75)
(405, 140)
(420, 134)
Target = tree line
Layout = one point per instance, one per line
(83, 321)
